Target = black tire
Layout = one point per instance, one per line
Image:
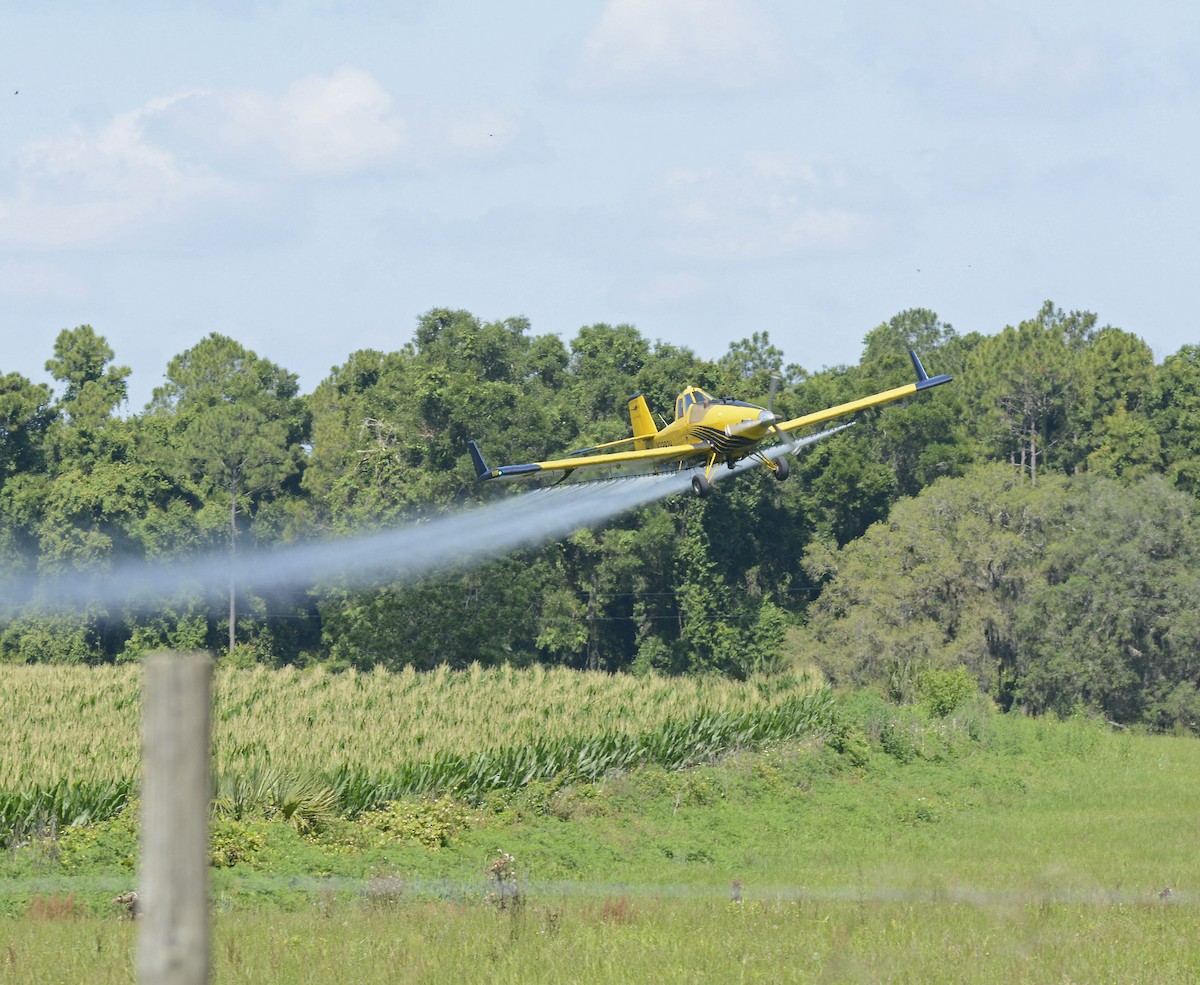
(700, 486)
(781, 469)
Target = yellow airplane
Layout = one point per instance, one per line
(707, 431)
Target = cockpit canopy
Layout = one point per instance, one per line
(692, 395)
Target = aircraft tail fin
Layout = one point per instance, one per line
(643, 424)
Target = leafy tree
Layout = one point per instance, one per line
(1125, 445)
(1079, 592)
(477, 379)
(91, 517)
(25, 415)
(53, 638)
(604, 367)
(228, 425)
(93, 387)
(925, 438)
(935, 585)
(368, 462)
(1173, 406)
(100, 495)
(748, 365)
(723, 628)
(1110, 624)
(843, 487)
(483, 615)
(1027, 379)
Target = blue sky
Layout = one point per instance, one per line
(310, 177)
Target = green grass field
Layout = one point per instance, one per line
(968, 849)
(615, 939)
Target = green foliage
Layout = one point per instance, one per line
(184, 628)
(942, 691)
(484, 614)
(304, 800)
(38, 810)
(229, 452)
(25, 415)
(232, 841)
(112, 843)
(1173, 405)
(431, 823)
(1073, 592)
(1111, 624)
(51, 638)
(1012, 844)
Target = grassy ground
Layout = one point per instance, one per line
(616, 939)
(977, 849)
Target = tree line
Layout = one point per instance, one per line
(229, 455)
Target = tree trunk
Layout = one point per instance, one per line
(1033, 455)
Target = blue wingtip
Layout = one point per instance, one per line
(924, 380)
(481, 470)
(922, 376)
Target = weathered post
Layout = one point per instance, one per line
(173, 946)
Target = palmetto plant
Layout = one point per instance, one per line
(304, 800)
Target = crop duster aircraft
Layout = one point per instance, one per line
(707, 431)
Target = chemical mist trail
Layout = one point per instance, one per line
(384, 557)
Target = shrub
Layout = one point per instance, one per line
(431, 823)
(232, 841)
(942, 691)
(107, 844)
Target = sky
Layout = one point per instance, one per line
(309, 178)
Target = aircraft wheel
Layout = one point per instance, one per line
(781, 469)
(700, 486)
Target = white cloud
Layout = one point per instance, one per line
(723, 44)
(322, 125)
(196, 154)
(87, 187)
(764, 208)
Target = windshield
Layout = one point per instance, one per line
(691, 396)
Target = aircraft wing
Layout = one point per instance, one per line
(924, 382)
(669, 452)
(700, 449)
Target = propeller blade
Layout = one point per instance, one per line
(783, 439)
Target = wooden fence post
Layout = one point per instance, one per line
(173, 940)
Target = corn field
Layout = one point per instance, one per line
(72, 754)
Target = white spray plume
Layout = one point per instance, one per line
(399, 554)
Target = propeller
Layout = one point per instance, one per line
(775, 380)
